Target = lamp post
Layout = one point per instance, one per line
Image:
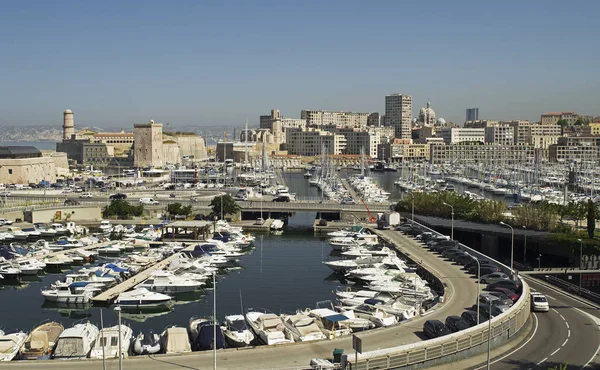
(452, 221)
(539, 261)
(512, 246)
(118, 309)
(412, 211)
(580, 262)
(525, 247)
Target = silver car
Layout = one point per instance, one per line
(494, 277)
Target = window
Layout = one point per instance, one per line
(10, 171)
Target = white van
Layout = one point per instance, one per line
(539, 302)
(149, 201)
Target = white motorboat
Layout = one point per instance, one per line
(276, 225)
(9, 270)
(58, 262)
(107, 343)
(303, 328)
(331, 323)
(142, 298)
(76, 342)
(347, 232)
(17, 233)
(59, 228)
(10, 344)
(356, 323)
(236, 332)
(41, 341)
(45, 230)
(378, 317)
(268, 327)
(70, 294)
(339, 243)
(167, 282)
(30, 266)
(147, 343)
(343, 265)
(105, 226)
(32, 233)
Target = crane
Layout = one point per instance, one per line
(372, 218)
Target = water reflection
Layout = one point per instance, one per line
(70, 310)
(138, 315)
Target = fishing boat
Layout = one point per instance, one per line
(41, 341)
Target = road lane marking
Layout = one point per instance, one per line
(569, 333)
(562, 317)
(597, 322)
(567, 323)
(535, 328)
(548, 296)
(565, 342)
(544, 360)
(554, 309)
(553, 353)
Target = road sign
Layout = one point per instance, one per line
(356, 344)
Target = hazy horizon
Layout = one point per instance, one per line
(209, 64)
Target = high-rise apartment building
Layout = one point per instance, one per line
(472, 114)
(398, 113)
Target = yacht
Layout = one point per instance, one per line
(17, 233)
(339, 243)
(268, 327)
(331, 323)
(167, 282)
(32, 233)
(10, 344)
(107, 343)
(71, 294)
(236, 332)
(276, 225)
(45, 230)
(59, 228)
(41, 341)
(368, 311)
(303, 328)
(76, 342)
(142, 298)
(347, 232)
(9, 270)
(147, 343)
(105, 226)
(30, 266)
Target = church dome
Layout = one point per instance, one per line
(427, 115)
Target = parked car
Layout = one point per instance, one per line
(470, 316)
(424, 236)
(486, 298)
(86, 195)
(484, 314)
(507, 292)
(347, 201)
(494, 277)
(281, 198)
(382, 224)
(539, 302)
(456, 256)
(456, 323)
(118, 196)
(404, 227)
(259, 221)
(71, 202)
(4, 221)
(509, 284)
(449, 252)
(435, 329)
(485, 270)
(502, 298)
(464, 259)
(5, 194)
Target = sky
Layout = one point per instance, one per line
(115, 63)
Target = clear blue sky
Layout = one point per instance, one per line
(222, 62)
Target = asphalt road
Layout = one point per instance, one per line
(564, 335)
(299, 355)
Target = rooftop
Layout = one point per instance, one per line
(16, 152)
(190, 224)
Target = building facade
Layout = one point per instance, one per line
(398, 113)
(573, 154)
(456, 135)
(398, 152)
(552, 118)
(591, 129)
(148, 147)
(499, 135)
(310, 141)
(542, 136)
(484, 153)
(472, 114)
(316, 118)
(25, 165)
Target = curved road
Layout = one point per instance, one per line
(299, 355)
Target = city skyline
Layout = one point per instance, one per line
(206, 64)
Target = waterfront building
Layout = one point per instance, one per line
(552, 118)
(148, 147)
(542, 136)
(316, 118)
(309, 142)
(455, 135)
(483, 153)
(472, 114)
(499, 135)
(582, 153)
(397, 151)
(398, 114)
(26, 165)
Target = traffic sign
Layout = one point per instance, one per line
(356, 344)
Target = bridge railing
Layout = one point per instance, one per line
(499, 329)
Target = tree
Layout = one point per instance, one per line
(562, 123)
(177, 209)
(224, 205)
(122, 209)
(579, 122)
(591, 218)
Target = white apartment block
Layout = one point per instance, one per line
(521, 130)
(551, 118)
(542, 136)
(488, 154)
(481, 123)
(456, 135)
(573, 153)
(398, 113)
(499, 135)
(275, 116)
(309, 142)
(316, 118)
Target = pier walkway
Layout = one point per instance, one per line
(298, 356)
(63, 251)
(111, 294)
(351, 190)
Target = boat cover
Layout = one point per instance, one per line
(205, 337)
(373, 301)
(116, 268)
(336, 318)
(176, 341)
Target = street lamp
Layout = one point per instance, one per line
(118, 309)
(580, 263)
(539, 261)
(452, 221)
(512, 245)
(525, 247)
(412, 214)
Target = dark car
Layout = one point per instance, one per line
(507, 292)
(281, 199)
(456, 323)
(435, 329)
(470, 317)
(383, 225)
(464, 259)
(449, 252)
(71, 202)
(118, 196)
(503, 299)
(456, 256)
(474, 264)
(515, 286)
(484, 315)
(484, 270)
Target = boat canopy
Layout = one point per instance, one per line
(116, 268)
(336, 318)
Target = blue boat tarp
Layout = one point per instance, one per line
(62, 242)
(116, 268)
(78, 284)
(336, 318)
(204, 340)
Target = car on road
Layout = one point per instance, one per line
(347, 201)
(4, 221)
(456, 323)
(118, 196)
(71, 202)
(149, 201)
(470, 316)
(494, 278)
(435, 329)
(281, 198)
(5, 194)
(86, 195)
(539, 302)
(507, 292)
(509, 284)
